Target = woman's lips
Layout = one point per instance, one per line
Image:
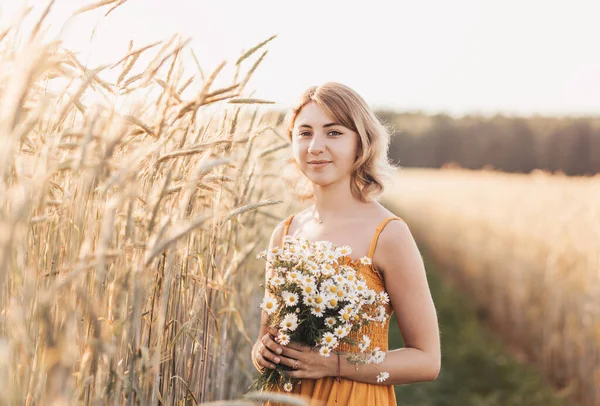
(319, 164)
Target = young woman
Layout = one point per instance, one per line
(340, 148)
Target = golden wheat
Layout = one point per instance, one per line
(127, 234)
(527, 248)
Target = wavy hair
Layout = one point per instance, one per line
(372, 169)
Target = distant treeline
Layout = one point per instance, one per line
(511, 144)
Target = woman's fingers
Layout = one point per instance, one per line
(271, 344)
(290, 362)
(292, 353)
(263, 362)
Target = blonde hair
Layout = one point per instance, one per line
(372, 168)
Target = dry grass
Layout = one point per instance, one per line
(128, 227)
(526, 248)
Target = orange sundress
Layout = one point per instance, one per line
(327, 391)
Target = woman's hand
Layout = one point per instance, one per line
(269, 351)
(306, 361)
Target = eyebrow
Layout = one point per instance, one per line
(324, 125)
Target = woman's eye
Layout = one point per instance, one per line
(306, 133)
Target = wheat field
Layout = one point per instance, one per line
(526, 248)
(129, 225)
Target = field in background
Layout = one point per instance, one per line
(525, 248)
(477, 368)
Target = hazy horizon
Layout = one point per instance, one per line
(459, 58)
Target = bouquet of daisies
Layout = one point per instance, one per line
(317, 301)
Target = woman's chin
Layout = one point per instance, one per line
(320, 181)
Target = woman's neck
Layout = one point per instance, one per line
(335, 200)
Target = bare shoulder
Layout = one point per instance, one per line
(277, 234)
(395, 232)
(279, 230)
(397, 248)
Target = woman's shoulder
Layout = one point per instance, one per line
(297, 217)
(283, 226)
(394, 239)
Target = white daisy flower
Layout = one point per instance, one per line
(383, 297)
(319, 299)
(343, 251)
(331, 302)
(283, 338)
(346, 313)
(261, 254)
(381, 314)
(325, 351)
(327, 284)
(330, 288)
(289, 298)
(340, 294)
(330, 257)
(329, 340)
(369, 297)
(382, 376)
(340, 332)
(307, 280)
(318, 310)
(308, 300)
(366, 341)
(312, 267)
(289, 322)
(377, 356)
(330, 321)
(293, 276)
(365, 261)
(269, 305)
(277, 281)
(327, 270)
(361, 287)
(288, 386)
(309, 289)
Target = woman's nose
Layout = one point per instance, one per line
(316, 145)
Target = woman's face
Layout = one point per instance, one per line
(324, 150)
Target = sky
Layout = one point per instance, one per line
(458, 57)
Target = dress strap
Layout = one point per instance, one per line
(378, 231)
(287, 223)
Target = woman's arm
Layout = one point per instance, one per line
(267, 358)
(399, 259)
